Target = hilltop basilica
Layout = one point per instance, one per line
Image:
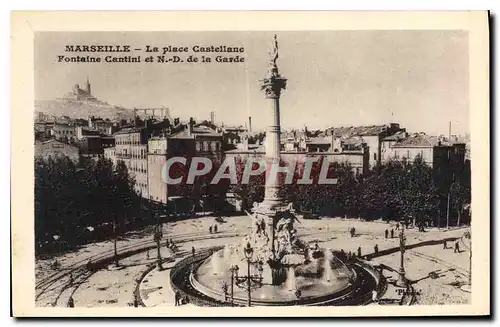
(79, 94)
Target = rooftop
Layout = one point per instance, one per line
(319, 140)
(395, 137)
(420, 140)
(197, 131)
(348, 131)
(128, 130)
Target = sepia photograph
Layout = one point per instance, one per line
(258, 167)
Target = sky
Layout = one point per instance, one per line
(335, 78)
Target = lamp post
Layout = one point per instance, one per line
(115, 237)
(234, 274)
(467, 288)
(401, 282)
(224, 289)
(157, 237)
(251, 281)
(248, 255)
(470, 265)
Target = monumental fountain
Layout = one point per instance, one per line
(272, 264)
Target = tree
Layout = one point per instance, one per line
(420, 195)
(459, 197)
(69, 198)
(250, 192)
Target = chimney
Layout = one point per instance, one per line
(212, 117)
(190, 126)
(249, 124)
(245, 143)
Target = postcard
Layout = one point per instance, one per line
(247, 164)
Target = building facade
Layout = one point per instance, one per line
(56, 149)
(131, 148)
(358, 158)
(191, 141)
(64, 132)
(436, 152)
(371, 135)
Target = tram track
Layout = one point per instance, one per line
(79, 268)
(42, 285)
(447, 264)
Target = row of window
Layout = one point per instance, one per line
(156, 159)
(399, 155)
(155, 198)
(131, 139)
(65, 132)
(135, 154)
(138, 170)
(208, 146)
(127, 142)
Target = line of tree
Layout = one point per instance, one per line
(396, 190)
(75, 203)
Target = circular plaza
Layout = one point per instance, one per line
(435, 274)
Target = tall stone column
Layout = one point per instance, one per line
(272, 85)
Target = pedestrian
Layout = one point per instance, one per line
(298, 294)
(374, 296)
(192, 250)
(397, 226)
(210, 229)
(177, 298)
(375, 248)
(343, 255)
(359, 251)
(392, 233)
(147, 255)
(445, 245)
(386, 232)
(457, 248)
(71, 278)
(316, 246)
(215, 228)
(71, 302)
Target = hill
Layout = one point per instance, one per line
(82, 109)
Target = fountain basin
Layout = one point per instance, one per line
(208, 280)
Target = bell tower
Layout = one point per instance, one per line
(87, 86)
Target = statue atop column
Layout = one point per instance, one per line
(273, 83)
(274, 54)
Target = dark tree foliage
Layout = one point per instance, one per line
(75, 203)
(250, 192)
(202, 194)
(397, 190)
